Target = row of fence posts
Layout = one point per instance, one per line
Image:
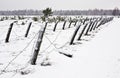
(10, 30)
(29, 26)
(92, 25)
(39, 40)
(89, 24)
(40, 36)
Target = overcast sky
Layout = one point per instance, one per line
(58, 4)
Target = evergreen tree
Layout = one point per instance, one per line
(115, 12)
(47, 12)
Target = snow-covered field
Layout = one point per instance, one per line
(96, 56)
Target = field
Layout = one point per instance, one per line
(71, 47)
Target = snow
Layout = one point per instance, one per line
(96, 56)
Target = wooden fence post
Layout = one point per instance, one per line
(74, 34)
(88, 28)
(38, 45)
(95, 25)
(79, 38)
(9, 32)
(92, 26)
(70, 24)
(55, 26)
(64, 25)
(75, 23)
(28, 29)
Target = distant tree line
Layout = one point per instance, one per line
(114, 12)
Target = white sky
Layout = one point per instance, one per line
(58, 4)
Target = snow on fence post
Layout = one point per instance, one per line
(100, 23)
(85, 20)
(88, 28)
(75, 23)
(79, 38)
(70, 24)
(95, 25)
(64, 25)
(28, 29)
(92, 26)
(74, 34)
(9, 32)
(38, 44)
(55, 26)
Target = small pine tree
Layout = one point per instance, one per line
(47, 12)
(43, 18)
(35, 19)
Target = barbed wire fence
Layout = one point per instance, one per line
(43, 51)
(23, 50)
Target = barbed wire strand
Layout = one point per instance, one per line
(33, 48)
(52, 41)
(27, 62)
(18, 54)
